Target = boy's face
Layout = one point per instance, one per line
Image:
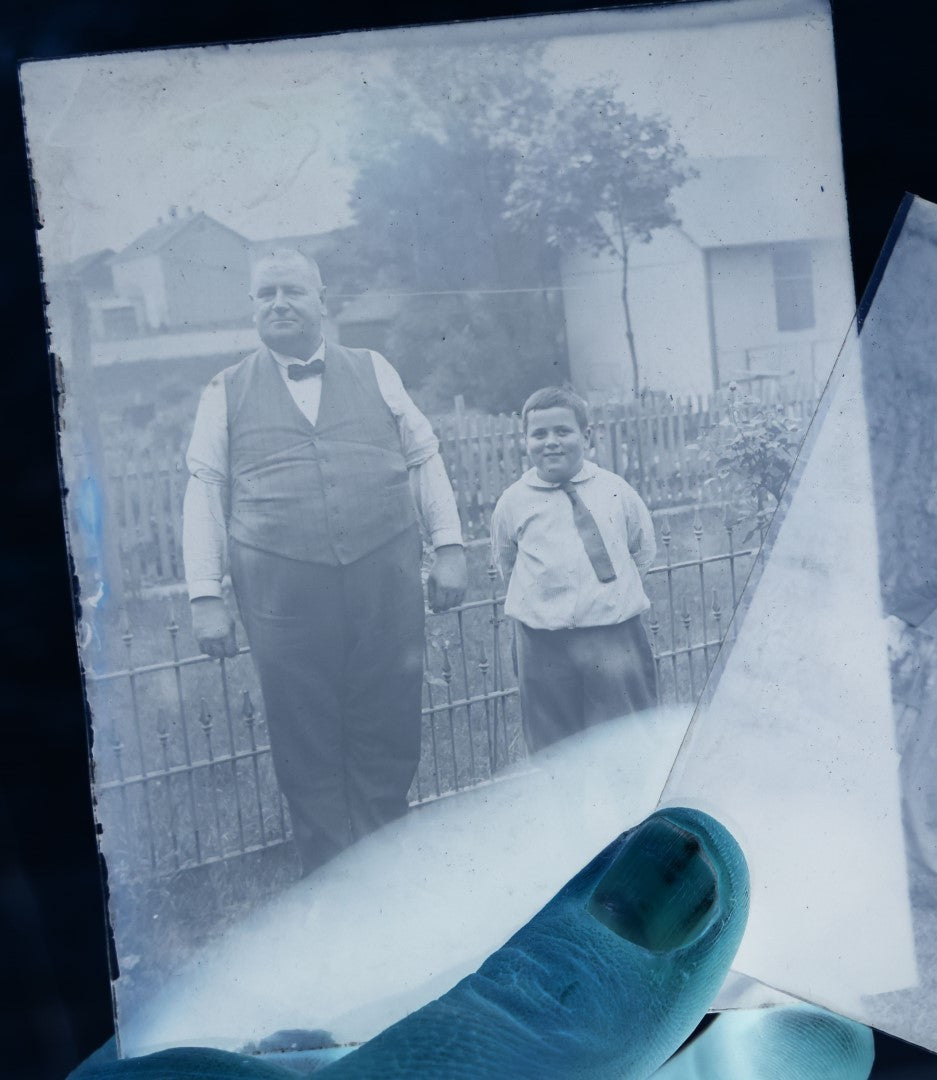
(556, 444)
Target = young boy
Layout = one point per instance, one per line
(574, 539)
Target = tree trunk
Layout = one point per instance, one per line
(629, 334)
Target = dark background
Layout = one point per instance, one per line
(53, 955)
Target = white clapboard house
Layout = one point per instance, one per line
(754, 283)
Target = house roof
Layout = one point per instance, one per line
(161, 235)
(85, 262)
(81, 265)
(737, 201)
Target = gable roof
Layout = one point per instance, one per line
(739, 201)
(85, 262)
(158, 237)
(80, 266)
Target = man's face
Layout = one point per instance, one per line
(556, 444)
(289, 303)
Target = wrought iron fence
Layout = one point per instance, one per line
(183, 770)
(693, 595)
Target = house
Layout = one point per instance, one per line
(87, 282)
(755, 282)
(179, 293)
(186, 272)
(94, 273)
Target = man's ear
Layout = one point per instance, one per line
(322, 300)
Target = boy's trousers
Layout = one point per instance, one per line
(339, 652)
(572, 679)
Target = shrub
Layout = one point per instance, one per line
(751, 452)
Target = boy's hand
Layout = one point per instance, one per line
(213, 627)
(448, 578)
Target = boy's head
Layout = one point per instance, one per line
(556, 427)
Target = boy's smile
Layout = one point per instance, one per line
(556, 445)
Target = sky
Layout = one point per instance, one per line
(258, 136)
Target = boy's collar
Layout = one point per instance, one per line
(588, 470)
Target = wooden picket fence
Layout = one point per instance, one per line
(653, 444)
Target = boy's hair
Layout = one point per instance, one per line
(557, 397)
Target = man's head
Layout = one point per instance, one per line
(289, 303)
(556, 428)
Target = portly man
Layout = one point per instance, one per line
(310, 470)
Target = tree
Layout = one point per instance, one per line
(596, 176)
(479, 313)
(492, 350)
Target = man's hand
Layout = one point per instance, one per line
(448, 579)
(213, 627)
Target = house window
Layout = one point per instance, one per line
(119, 322)
(793, 288)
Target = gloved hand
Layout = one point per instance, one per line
(607, 981)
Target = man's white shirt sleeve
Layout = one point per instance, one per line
(204, 530)
(429, 482)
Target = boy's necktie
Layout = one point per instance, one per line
(591, 537)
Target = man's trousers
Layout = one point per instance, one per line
(339, 653)
(570, 680)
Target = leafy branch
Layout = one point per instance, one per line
(751, 452)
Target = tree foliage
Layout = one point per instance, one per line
(490, 349)
(751, 452)
(478, 312)
(475, 171)
(595, 176)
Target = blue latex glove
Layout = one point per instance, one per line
(607, 981)
(779, 1043)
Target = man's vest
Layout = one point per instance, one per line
(329, 493)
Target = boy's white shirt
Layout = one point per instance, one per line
(553, 585)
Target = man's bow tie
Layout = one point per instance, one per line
(305, 371)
